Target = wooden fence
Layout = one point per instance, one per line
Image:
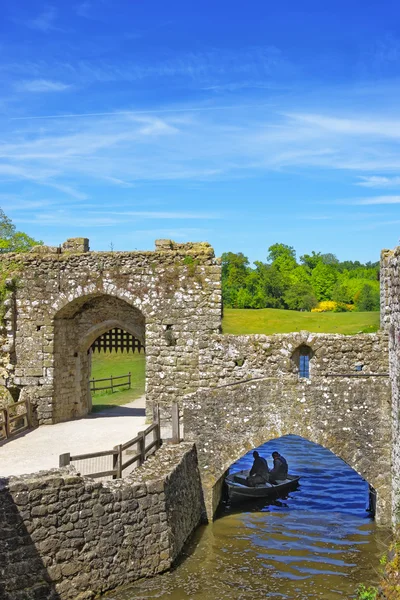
(121, 458)
(15, 418)
(112, 386)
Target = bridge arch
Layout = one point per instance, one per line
(77, 324)
(227, 422)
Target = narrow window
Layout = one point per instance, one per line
(301, 358)
(304, 366)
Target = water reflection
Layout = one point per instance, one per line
(317, 543)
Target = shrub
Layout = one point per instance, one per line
(366, 593)
(332, 306)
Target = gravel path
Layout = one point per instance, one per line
(40, 448)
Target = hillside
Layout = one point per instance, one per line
(274, 320)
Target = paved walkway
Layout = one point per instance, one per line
(40, 448)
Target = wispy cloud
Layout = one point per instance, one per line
(45, 21)
(83, 9)
(41, 85)
(351, 126)
(170, 215)
(40, 176)
(176, 143)
(376, 200)
(196, 69)
(110, 219)
(376, 181)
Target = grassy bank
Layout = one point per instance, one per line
(115, 364)
(273, 320)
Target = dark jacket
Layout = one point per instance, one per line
(280, 469)
(260, 467)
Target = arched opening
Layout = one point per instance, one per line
(302, 359)
(77, 326)
(307, 543)
(117, 361)
(327, 483)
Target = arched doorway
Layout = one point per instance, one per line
(117, 361)
(76, 327)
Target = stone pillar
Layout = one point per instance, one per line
(76, 245)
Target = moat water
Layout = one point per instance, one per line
(319, 542)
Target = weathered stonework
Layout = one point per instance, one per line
(344, 410)
(230, 358)
(64, 536)
(390, 303)
(65, 299)
(170, 300)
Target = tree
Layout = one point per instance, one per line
(282, 257)
(323, 280)
(311, 260)
(12, 240)
(243, 299)
(368, 299)
(234, 272)
(329, 259)
(300, 296)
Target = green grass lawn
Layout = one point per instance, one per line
(117, 363)
(273, 320)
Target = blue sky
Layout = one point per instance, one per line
(241, 124)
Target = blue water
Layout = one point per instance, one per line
(317, 543)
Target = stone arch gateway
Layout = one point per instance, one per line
(76, 326)
(60, 299)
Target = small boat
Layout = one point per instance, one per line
(239, 491)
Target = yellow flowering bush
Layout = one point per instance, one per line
(332, 306)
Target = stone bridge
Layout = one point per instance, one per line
(237, 391)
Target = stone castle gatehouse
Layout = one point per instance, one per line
(236, 391)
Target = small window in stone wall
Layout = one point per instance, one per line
(304, 367)
(302, 357)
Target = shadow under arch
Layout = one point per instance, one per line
(327, 482)
(76, 326)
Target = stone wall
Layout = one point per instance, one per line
(64, 296)
(228, 358)
(64, 536)
(349, 416)
(385, 278)
(340, 407)
(390, 284)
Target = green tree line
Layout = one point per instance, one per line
(284, 282)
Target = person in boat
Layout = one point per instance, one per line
(280, 469)
(259, 472)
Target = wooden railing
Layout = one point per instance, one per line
(121, 459)
(15, 418)
(112, 385)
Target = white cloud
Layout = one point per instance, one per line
(192, 143)
(45, 21)
(84, 8)
(376, 200)
(169, 215)
(351, 126)
(110, 218)
(376, 181)
(42, 85)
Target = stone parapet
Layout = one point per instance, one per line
(227, 359)
(64, 536)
